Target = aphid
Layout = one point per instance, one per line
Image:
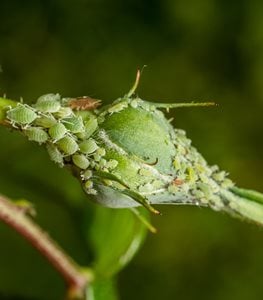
(118, 107)
(84, 103)
(89, 188)
(48, 103)
(157, 184)
(68, 145)
(55, 154)
(36, 134)
(88, 146)
(227, 183)
(86, 175)
(205, 188)
(57, 131)
(96, 157)
(198, 193)
(101, 152)
(74, 124)
(49, 97)
(88, 184)
(112, 164)
(173, 189)
(21, 115)
(146, 188)
(102, 162)
(45, 121)
(177, 163)
(145, 172)
(219, 176)
(80, 161)
(63, 112)
(192, 177)
(134, 103)
(90, 127)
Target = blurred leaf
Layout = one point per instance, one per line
(103, 290)
(116, 236)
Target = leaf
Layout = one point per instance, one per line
(116, 236)
(103, 290)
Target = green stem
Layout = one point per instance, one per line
(249, 194)
(247, 204)
(76, 280)
(4, 104)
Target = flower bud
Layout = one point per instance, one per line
(128, 154)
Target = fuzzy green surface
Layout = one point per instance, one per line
(143, 134)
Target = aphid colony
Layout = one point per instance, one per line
(67, 136)
(186, 178)
(97, 143)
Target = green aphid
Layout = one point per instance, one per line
(21, 115)
(145, 172)
(227, 183)
(49, 97)
(157, 184)
(68, 145)
(145, 188)
(48, 103)
(101, 152)
(192, 177)
(102, 162)
(55, 154)
(198, 194)
(63, 112)
(177, 163)
(45, 121)
(57, 131)
(74, 124)
(96, 157)
(36, 134)
(88, 146)
(88, 186)
(173, 189)
(112, 164)
(80, 161)
(87, 174)
(219, 176)
(134, 103)
(118, 107)
(205, 188)
(90, 127)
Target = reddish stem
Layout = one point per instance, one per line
(69, 270)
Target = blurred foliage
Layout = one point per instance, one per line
(195, 50)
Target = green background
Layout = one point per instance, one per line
(194, 50)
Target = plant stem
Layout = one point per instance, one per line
(76, 280)
(4, 103)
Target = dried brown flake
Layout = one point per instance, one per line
(84, 103)
(178, 181)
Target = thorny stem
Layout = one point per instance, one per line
(76, 280)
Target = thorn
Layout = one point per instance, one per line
(155, 211)
(177, 105)
(144, 220)
(135, 85)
